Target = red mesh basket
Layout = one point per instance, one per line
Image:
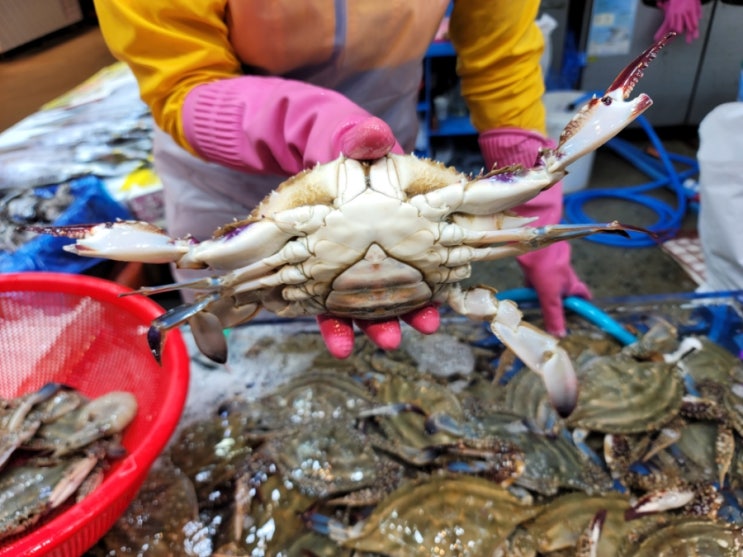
(77, 330)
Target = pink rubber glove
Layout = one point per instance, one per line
(547, 270)
(279, 126)
(271, 125)
(681, 16)
(337, 332)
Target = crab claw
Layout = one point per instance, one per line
(588, 541)
(601, 118)
(667, 499)
(629, 77)
(539, 351)
(120, 241)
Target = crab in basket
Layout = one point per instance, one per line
(377, 239)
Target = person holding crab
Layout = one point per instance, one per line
(246, 93)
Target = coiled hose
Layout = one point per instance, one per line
(663, 173)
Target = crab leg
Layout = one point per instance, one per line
(206, 283)
(537, 349)
(119, 241)
(172, 319)
(208, 317)
(542, 236)
(293, 252)
(455, 261)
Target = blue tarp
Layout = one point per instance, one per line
(91, 205)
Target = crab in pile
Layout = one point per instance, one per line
(377, 239)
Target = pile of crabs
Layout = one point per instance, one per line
(55, 445)
(376, 455)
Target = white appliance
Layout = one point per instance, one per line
(22, 21)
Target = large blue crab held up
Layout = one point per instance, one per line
(377, 239)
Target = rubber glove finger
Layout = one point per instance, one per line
(385, 333)
(369, 139)
(550, 301)
(692, 28)
(337, 332)
(578, 288)
(676, 23)
(661, 32)
(425, 320)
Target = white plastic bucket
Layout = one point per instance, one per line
(560, 109)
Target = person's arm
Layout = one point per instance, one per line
(188, 74)
(190, 77)
(680, 16)
(171, 46)
(499, 47)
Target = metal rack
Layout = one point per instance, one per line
(460, 125)
(451, 126)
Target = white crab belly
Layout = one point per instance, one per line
(377, 286)
(375, 258)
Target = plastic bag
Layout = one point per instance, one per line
(721, 197)
(546, 24)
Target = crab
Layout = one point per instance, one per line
(442, 514)
(375, 240)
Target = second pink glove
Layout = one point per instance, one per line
(547, 270)
(680, 16)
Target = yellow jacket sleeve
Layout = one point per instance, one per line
(171, 46)
(498, 48)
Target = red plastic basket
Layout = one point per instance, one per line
(77, 330)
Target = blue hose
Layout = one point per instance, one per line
(663, 174)
(581, 307)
